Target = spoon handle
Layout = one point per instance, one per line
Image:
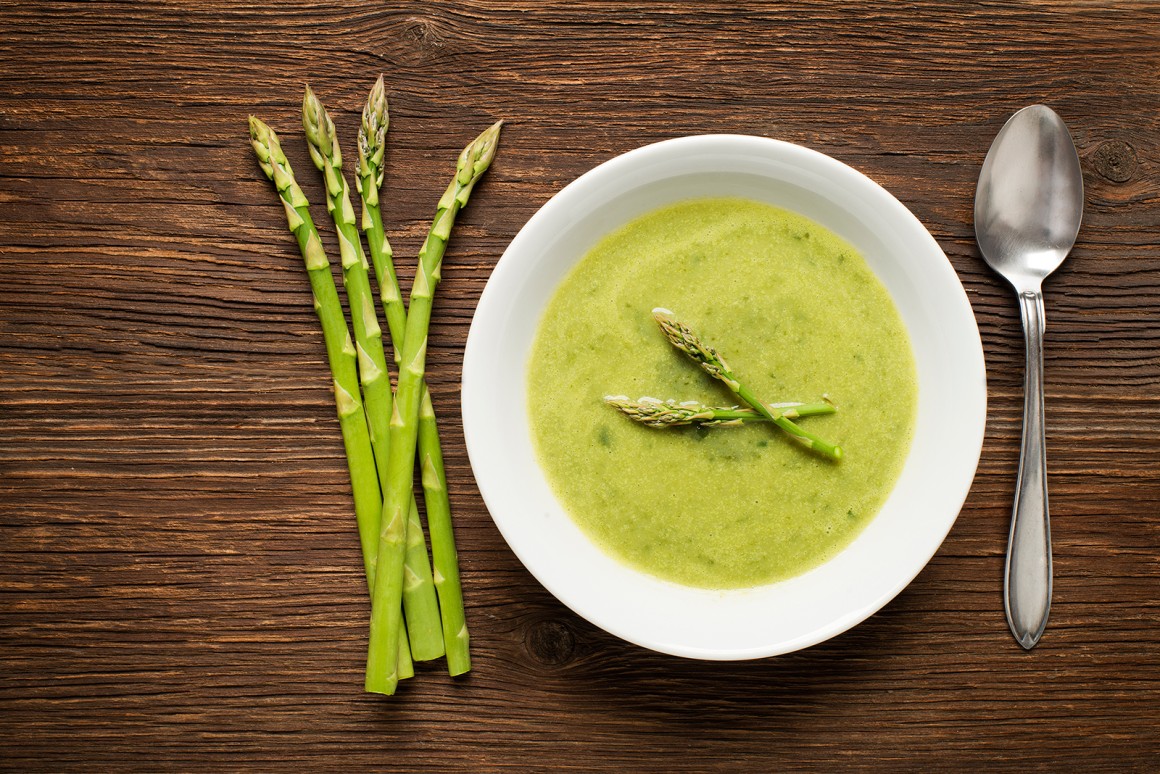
(1027, 581)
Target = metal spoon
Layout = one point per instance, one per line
(1028, 208)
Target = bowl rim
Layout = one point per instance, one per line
(491, 301)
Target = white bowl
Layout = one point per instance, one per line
(894, 546)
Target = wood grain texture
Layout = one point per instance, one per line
(180, 585)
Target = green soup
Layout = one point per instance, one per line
(798, 315)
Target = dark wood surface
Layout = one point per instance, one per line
(180, 583)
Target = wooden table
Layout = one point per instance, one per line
(180, 583)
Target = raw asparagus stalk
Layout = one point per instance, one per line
(443, 553)
(423, 623)
(683, 338)
(372, 136)
(339, 351)
(671, 413)
(371, 148)
(381, 676)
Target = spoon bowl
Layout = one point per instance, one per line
(1029, 201)
(1028, 209)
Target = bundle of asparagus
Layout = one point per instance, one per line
(655, 413)
(381, 430)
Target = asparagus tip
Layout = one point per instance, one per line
(372, 138)
(376, 104)
(313, 115)
(310, 102)
(483, 147)
(258, 128)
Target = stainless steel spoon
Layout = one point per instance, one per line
(1028, 208)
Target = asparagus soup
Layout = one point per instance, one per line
(799, 316)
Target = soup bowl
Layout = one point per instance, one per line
(892, 549)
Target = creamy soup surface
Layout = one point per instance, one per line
(798, 315)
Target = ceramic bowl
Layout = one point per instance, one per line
(891, 550)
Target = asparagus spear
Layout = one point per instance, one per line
(443, 553)
(381, 676)
(683, 338)
(339, 351)
(372, 136)
(371, 149)
(671, 413)
(423, 623)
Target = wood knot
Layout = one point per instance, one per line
(423, 32)
(550, 642)
(1115, 160)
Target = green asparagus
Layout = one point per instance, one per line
(381, 675)
(683, 338)
(372, 136)
(371, 148)
(423, 623)
(671, 413)
(339, 350)
(443, 554)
